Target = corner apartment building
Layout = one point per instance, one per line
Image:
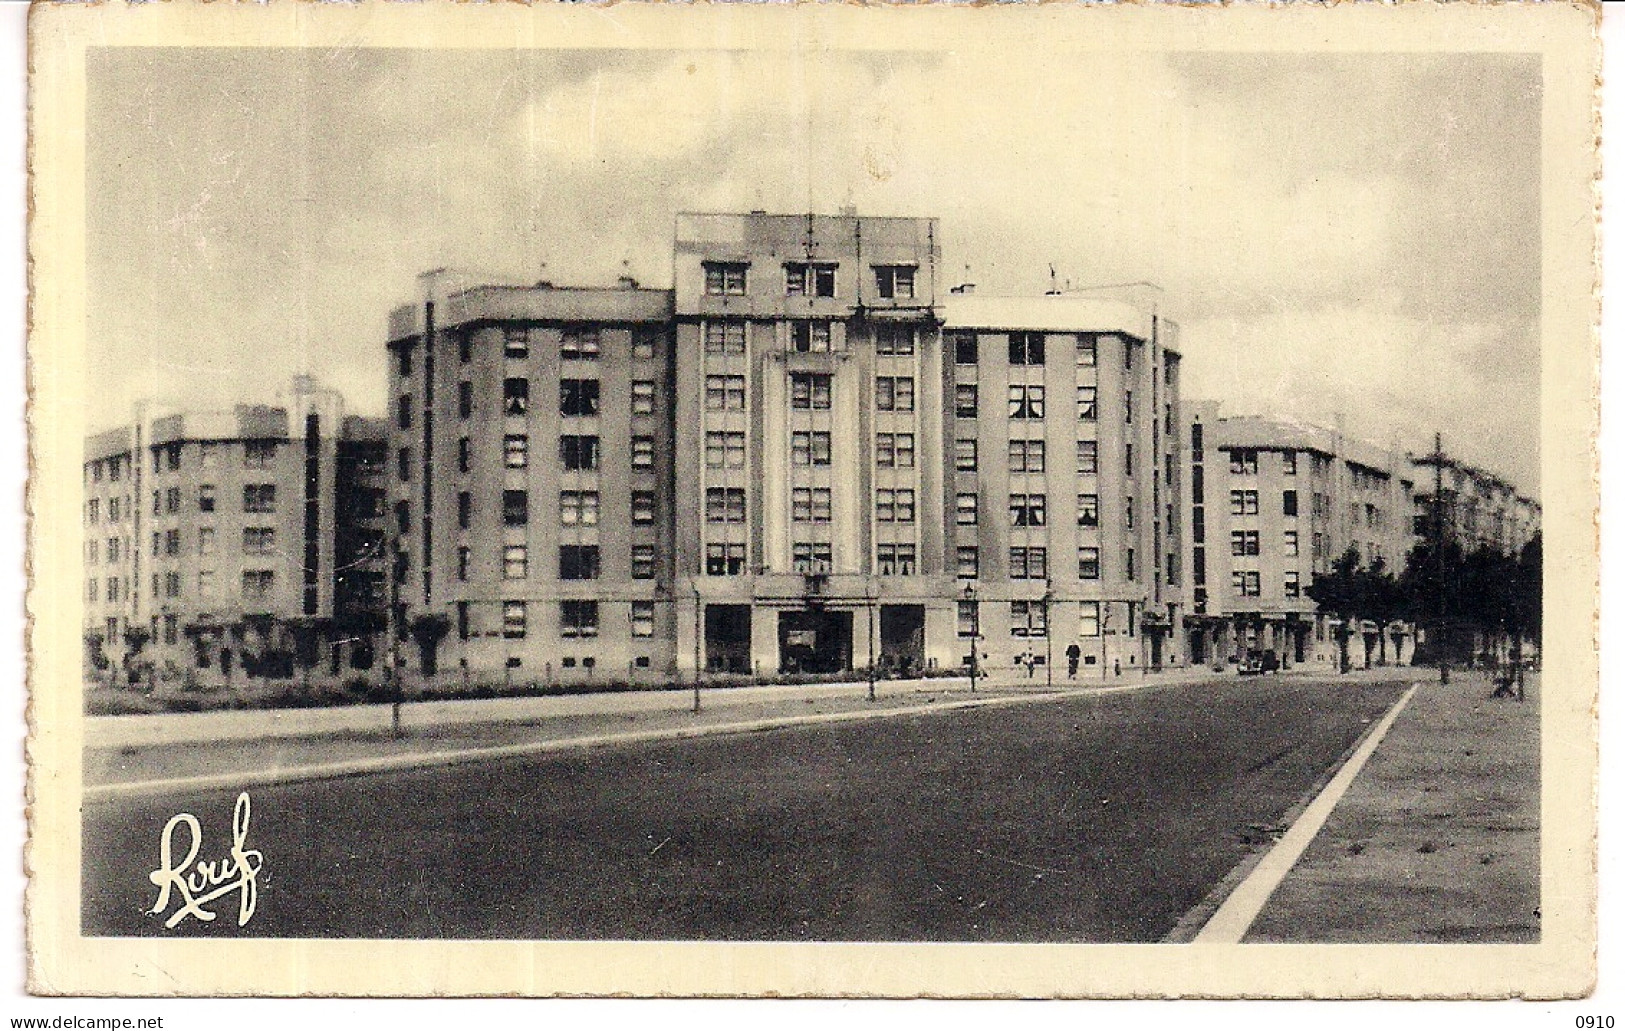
(531, 492)
(218, 533)
(1478, 508)
(802, 458)
(1273, 503)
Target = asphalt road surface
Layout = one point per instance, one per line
(1089, 819)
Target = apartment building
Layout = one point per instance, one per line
(1478, 508)
(531, 490)
(213, 541)
(1273, 503)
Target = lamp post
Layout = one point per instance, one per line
(975, 633)
(1049, 638)
(870, 599)
(699, 645)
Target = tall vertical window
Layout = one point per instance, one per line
(1088, 510)
(1289, 463)
(516, 451)
(967, 562)
(465, 509)
(205, 500)
(643, 507)
(643, 342)
(465, 399)
(643, 452)
(965, 508)
(1026, 456)
(515, 507)
(1086, 351)
(965, 455)
(725, 278)
(1087, 408)
(515, 342)
(1029, 563)
(966, 621)
(964, 348)
(643, 619)
(515, 395)
(1088, 619)
(965, 400)
(1289, 502)
(1289, 543)
(894, 450)
(403, 411)
(464, 455)
(1291, 585)
(515, 562)
(643, 397)
(1026, 349)
(1088, 457)
(513, 619)
(643, 561)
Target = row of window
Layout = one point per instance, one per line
(1246, 584)
(1030, 349)
(576, 562)
(807, 279)
(1031, 619)
(577, 619)
(257, 585)
(575, 343)
(1244, 462)
(1246, 543)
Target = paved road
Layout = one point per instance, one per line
(1090, 819)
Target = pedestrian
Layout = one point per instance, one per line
(1032, 664)
(1117, 667)
(1073, 654)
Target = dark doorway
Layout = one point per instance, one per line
(815, 641)
(727, 638)
(1156, 650)
(902, 638)
(1198, 647)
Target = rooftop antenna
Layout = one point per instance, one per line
(1053, 289)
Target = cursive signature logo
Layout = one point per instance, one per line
(197, 886)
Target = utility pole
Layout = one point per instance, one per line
(871, 601)
(1438, 550)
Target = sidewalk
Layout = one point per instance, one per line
(1438, 838)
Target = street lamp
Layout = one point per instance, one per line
(870, 598)
(975, 632)
(1049, 638)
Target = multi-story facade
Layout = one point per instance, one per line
(804, 458)
(214, 536)
(1273, 503)
(1478, 509)
(531, 493)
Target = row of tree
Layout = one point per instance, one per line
(1471, 602)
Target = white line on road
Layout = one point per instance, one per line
(1230, 924)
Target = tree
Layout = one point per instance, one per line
(1431, 590)
(135, 639)
(1341, 594)
(427, 630)
(1382, 602)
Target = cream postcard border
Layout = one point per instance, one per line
(61, 961)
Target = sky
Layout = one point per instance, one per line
(1340, 237)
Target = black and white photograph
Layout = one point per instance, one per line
(788, 481)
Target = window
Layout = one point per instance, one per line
(966, 620)
(1027, 509)
(403, 517)
(894, 281)
(724, 504)
(403, 411)
(1088, 563)
(258, 584)
(895, 559)
(805, 279)
(205, 500)
(516, 451)
(965, 455)
(894, 393)
(578, 562)
(172, 500)
(1244, 502)
(1291, 585)
(465, 400)
(1199, 566)
(465, 509)
(578, 508)
(1028, 619)
(465, 349)
(513, 619)
(579, 343)
(259, 497)
(968, 562)
(727, 393)
(643, 619)
(1289, 543)
(894, 506)
(894, 340)
(115, 469)
(465, 456)
(1029, 563)
(463, 556)
(1088, 509)
(894, 450)
(1087, 407)
(725, 559)
(965, 400)
(810, 505)
(1244, 583)
(172, 542)
(1088, 457)
(1244, 542)
(807, 447)
(578, 453)
(965, 509)
(725, 449)
(259, 454)
(643, 507)
(515, 507)
(1026, 349)
(643, 452)
(810, 557)
(578, 397)
(1087, 355)
(1128, 565)
(1243, 462)
(643, 561)
(1128, 459)
(643, 397)
(725, 277)
(964, 348)
(515, 395)
(1289, 463)
(1196, 442)
(643, 342)
(810, 337)
(1128, 354)
(515, 342)
(403, 464)
(1026, 456)
(1289, 502)
(205, 583)
(725, 337)
(515, 562)
(1026, 401)
(113, 511)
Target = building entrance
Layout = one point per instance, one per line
(814, 641)
(727, 638)
(902, 637)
